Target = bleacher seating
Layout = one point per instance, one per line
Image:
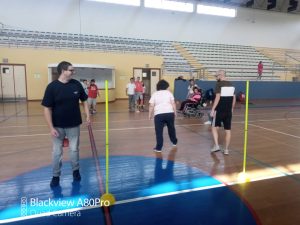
(240, 62)
(174, 63)
(25, 38)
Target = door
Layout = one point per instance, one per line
(151, 77)
(7, 82)
(20, 82)
(154, 78)
(146, 81)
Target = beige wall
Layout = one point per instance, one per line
(37, 60)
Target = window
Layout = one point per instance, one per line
(5, 70)
(169, 5)
(216, 11)
(121, 2)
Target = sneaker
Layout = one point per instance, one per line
(207, 123)
(156, 150)
(76, 175)
(215, 149)
(54, 182)
(225, 152)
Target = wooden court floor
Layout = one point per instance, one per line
(273, 153)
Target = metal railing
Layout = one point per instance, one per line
(275, 72)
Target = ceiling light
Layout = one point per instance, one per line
(216, 11)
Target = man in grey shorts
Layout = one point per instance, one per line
(139, 94)
(92, 93)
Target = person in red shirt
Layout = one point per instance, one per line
(92, 94)
(139, 94)
(260, 68)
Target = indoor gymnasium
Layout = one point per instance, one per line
(141, 112)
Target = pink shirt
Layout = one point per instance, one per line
(260, 67)
(196, 97)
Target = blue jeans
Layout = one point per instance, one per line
(131, 102)
(72, 134)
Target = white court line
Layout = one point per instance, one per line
(44, 125)
(143, 198)
(39, 215)
(269, 120)
(120, 121)
(95, 130)
(149, 127)
(275, 131)
(116, 203)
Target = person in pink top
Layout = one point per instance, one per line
(260, 68)
(196, 97)
(139, 94)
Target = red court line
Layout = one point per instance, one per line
(99, 177)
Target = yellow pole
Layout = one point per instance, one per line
(246, 128)
(107, 197)
(106, 135)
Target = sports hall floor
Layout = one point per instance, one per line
(183, 185)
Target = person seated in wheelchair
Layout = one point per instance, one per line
(194, 99)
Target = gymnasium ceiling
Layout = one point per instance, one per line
(284, 6)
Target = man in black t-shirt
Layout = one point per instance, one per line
(62, 113)
(222, 110)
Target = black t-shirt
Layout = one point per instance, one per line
(64, 98)
(225, 103)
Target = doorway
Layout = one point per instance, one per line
(149, 76)
(12, 82)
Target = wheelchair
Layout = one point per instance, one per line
(192, 110)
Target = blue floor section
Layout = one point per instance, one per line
(130, 177)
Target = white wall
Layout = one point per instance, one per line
(250, 27)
